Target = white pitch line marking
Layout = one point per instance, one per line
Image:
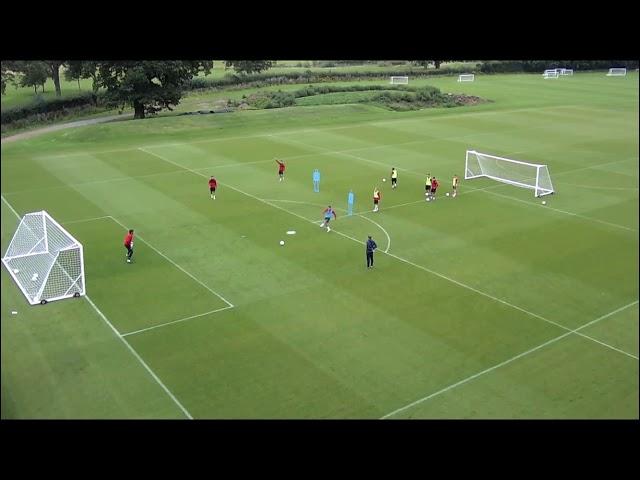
(82, 220)
(468, 287)
(131, 349)
(176, 321)
(175, 264)
(584, 217)
(542, 345)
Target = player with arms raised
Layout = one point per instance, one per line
(281, 168)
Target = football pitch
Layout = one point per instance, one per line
(489, 305)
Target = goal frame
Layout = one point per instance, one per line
(74, 284)
(405, 80)
(539, 191)
(617, 72)
(552, 73)
(465, 77)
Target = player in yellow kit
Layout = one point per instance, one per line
(455, 183)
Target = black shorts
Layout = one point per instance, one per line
(427, 188)
(394, 180)
(281, 173)
(455, 186)
(212, 189)
(433, 190)
(375, 201)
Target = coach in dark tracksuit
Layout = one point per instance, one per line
(371, 247)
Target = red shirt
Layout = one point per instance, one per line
(280, 167)
(434, 183)
(128, 239)
(213, 183)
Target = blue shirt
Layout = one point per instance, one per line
(371, 246)
(350, 200)
(316, 176)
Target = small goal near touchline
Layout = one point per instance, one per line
(617, 72)
(506, 170)
(45, 260)
(467, 77)
(399, 80)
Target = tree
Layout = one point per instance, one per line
(73, 71)
(249, 66)
(54, 73)
(426, 63)
(148, 86)
(8, 74)
(33, 74)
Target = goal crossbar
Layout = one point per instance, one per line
(45, 260)
(506, 170)
(399, 80)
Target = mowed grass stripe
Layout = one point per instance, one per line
(128, 292)
(405, 260)
(510, 360)
(77, 370)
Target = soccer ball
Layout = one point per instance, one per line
(281, 242)
(384, 179)
(544, 202)
(447, 194)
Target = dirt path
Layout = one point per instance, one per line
(62, 126)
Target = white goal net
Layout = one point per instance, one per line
(506, 170)
(470, 77)
(399, 80)
(550, 74)
(617, 72)
(44, 260)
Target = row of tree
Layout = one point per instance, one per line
(31, 74)
(146, 86)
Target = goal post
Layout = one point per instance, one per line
(514, 172)
(45, 260)
(617, 72)
(553, 73)
(467, 77)
(399, 80)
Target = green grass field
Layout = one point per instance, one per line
(489, 305)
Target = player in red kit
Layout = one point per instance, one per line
(281, 168)
(212, 187)
(128, 244)
(434, 187)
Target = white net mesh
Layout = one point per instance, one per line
(29, 237)
(399, 80)
(514, 172)
(45, 260)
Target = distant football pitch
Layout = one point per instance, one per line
(489, 305)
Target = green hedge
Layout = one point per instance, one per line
(48, 107)
(538, 66)
(309, 76)
(395, 97)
